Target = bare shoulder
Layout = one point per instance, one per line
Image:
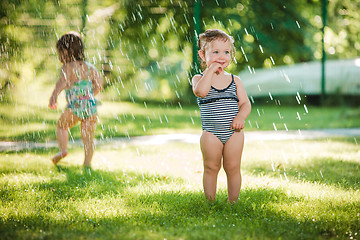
(65, 71)
(68, 68)
(93, 70)
(237, 78)
(197, 76)
(238, 81)
(65, 67)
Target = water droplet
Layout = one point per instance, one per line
(243, 52)
(261, 49)
(270, 96)
(258, 112)
(272, 60)
(286, 76)
(246, 31)
(306, 110)
(192, 120)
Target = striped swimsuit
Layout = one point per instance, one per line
(218, 109)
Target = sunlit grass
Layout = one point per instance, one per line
(291, 189)
(123, 119)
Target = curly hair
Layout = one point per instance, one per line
(70, 47)
(214, 34)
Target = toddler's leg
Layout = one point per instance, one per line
(211, 148)
(232, 160)
(65, 122)
(88, 127)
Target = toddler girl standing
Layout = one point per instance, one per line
(81, 82)
(224, 107)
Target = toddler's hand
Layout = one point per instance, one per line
(52, 103)
(53, 106)
(216, 67)
(237, 124)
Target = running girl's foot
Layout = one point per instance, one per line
(87, 165)
(58, 157)
(87, 170)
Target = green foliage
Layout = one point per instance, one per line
(342, 32)
(262, 31)
(144, 48)
(9, 47)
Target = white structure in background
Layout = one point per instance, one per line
(341, 77)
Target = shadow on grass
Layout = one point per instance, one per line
(77, 181)
(159, 214)
(338, 173)
(148, 206)
(257, 215)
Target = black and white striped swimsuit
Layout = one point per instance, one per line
(218, 109)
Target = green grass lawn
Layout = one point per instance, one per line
(35, 123)
(299, 189)
(294, 189)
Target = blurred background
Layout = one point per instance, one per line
(144, 48)
(297, 59)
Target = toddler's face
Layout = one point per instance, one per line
(218, 51)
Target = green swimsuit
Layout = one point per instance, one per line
(80, 97)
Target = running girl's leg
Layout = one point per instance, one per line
(88, 127)
(211, 148)
(66, 121)
(232, 160)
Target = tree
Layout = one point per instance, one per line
(10, 46)
(145, 49)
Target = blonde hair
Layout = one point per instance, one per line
(214, 34)
(70, 47)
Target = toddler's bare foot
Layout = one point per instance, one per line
(87, 170)
(58, 157)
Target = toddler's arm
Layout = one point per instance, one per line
(60, 85)
(244, 106)
(201, 84)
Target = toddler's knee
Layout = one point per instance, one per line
(212, 168)
(230, 168)
(86, 134)
(60, 124)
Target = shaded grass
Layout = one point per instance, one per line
(333, 162)
(23, 123)
(154, 192)
(339, 173)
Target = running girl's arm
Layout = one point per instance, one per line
(60, 85)
(96, 81)
(201, 84)
(244, 106)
